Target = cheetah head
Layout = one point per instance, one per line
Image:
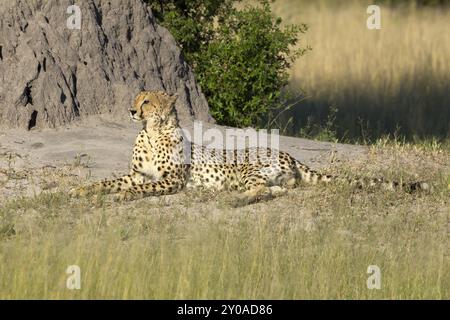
(153, 107)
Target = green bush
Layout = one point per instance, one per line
(241, 56)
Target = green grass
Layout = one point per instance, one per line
(316, 242)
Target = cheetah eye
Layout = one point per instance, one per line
(146, 101)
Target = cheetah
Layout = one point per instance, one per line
(164, 162)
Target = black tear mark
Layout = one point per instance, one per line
(44, 64)
(1, 52)
(32, 121)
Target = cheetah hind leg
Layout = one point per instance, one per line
(257, 194)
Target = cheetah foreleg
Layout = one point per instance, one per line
(156, 188)
(108, 186)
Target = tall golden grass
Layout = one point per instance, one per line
(396, 79)
(268, 254)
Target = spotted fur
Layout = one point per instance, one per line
(164, 163)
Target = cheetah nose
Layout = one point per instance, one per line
(132, 112)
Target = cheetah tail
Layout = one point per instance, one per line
(311, 176)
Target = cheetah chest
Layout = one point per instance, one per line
(144, 159)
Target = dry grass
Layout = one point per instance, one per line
(396, 79)
(316, 242)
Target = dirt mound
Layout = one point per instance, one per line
(51, 74)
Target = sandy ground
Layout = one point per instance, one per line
(101, 147)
